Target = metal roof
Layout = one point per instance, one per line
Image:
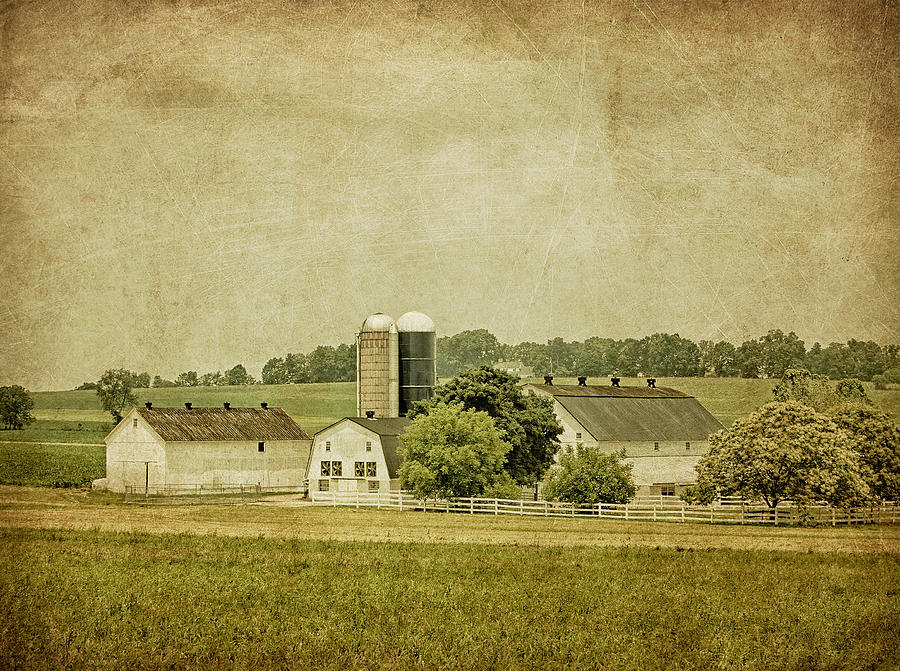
(208, 424)
(388, 430)
(635, 418)
(608, 391)
(378, 322)
(415, 322)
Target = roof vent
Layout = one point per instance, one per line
(548, 379)
(651, 382)
(264, 405)
(582, 381)
(615, 381)
(226, 405)
(370, 414)
(188, 405)
(149, 405)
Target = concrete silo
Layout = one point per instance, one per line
(377, 367)
(417, 358)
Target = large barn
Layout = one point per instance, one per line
(663, 431)
(156, 449)
(357, 454)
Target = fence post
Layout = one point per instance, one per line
(401, 499)
(682, 512)
(547, 509)
(357, 499)
(471, 506)
(742, 512)
(496, 506)
(654, 512)
(626, 511)
(776, 516)
(521, 507)
(711, 514)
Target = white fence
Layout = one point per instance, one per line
(674, 511)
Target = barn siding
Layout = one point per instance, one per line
(348, 445)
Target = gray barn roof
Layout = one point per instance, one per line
(208, 424)
(635, 413)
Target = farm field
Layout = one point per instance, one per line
(97, 583)
(46, 465)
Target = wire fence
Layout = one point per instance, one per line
(199, 493)
(730, 512)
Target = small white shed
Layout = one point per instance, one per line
(154, 449)
(357, 454)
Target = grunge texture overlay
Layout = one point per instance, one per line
(189, 185)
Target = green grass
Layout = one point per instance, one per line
(103, 600)
(315, 406)
(59, 431)
(44, 465)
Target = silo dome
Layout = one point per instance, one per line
(415, 322)
(378, 323)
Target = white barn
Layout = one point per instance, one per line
(663, 431)
(357, 454)
(153, 449)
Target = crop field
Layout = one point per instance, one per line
(45, 465)
(86, 581)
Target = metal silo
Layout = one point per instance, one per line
(377, 367)
(417, 358)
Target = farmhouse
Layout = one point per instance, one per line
(356, 454)
(663, 431)
(153, 449)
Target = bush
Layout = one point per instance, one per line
(591, 477)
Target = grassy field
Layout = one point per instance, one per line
(288, 587)
(46, 465)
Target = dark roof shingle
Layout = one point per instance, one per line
(609, 391)
(208, 424)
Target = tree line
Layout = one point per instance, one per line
(670, 355)
(660, 354)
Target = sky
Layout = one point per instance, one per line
(192, 185)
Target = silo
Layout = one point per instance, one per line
(377, 367)
(417, 358)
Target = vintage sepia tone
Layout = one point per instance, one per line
(196, 184)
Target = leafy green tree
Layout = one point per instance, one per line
(238, 376)
(115, 392)
(187, 379)
(876, 438)
(718, 358)
(816, 391)
(212, 379)
(531, 354)
(452, 452)
(86, 386)
(467, 349)
(16, 405)
(525, 421)
(671, 355)
(590, 477)
(159, 383)
(141, 380)
(784, 451)
(779, 352)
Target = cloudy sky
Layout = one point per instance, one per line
(189, 185)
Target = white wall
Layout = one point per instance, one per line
(128, 451)
(348, 445)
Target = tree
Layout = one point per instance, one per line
(525, 421)
(16, 405)
(816, 391)
(187, 379)
(467, 349)
(158, 382)
(115, 392)
(238, 376)
(86, 386)
(212, 379)
(718, 358)
(784, 451)
(591, 477)
(876, 438)
(451, 452)
(140, 381)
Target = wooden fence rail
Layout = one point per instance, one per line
(731, 512)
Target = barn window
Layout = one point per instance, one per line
(578, 435)
(368, 446)
(373, 485)
(326, 468)
(656, 445)
(323, 485)
(261, 447)
(135, 422)
(370, 469)
(328, 446)
(687, 445)
(359, 469)
(667, 490)
(336, 468)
